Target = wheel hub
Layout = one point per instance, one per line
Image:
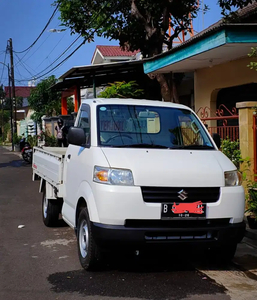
(83, 239)
(45, 207)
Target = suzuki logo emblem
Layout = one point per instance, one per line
(182, 195)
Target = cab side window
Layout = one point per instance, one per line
(84, 122)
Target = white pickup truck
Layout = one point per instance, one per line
(139, 173)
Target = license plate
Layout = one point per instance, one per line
(184, 210)
(27, 151)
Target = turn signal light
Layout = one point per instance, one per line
(102, 175)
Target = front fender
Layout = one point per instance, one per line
(85, 191)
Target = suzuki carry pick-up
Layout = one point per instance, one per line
(139, 173)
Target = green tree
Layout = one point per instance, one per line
(19, 103)
(2, 93)
(137, 24)
(45, 101)
(7, 100)
(122, 89)
(228, 6)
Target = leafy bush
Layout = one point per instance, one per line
(122, 89)
(50, 140)
(32, 140)
(16, 139)
(232, 151)
(252, 202)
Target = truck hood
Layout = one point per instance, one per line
(164, 167)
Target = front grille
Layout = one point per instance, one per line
(170, 194)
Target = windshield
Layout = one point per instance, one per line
(150, 127)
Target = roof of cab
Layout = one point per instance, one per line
(100, 101)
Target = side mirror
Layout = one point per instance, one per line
(217, 140)
(76, 136)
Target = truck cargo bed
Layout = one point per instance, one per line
(48, 163)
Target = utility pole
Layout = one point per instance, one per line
(13, 98)
(11, 103)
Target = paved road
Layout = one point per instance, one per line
(41, 263)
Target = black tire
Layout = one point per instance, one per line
(50, 211)
(25, 157)
(223, 254)
(89, 253)
(29, 158)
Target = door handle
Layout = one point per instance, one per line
(69, 156)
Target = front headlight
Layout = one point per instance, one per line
(233, 178)
(113, 176)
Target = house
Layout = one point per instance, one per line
(214, 63)
(23, 113)
(106, 55)
(110, 54)
(218, 84)
(23, 92)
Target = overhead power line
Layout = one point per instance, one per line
(53, 14)
(22, 64)
(47, 57)
(84, 41)
(61, 54)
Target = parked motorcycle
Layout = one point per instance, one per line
(26, 150)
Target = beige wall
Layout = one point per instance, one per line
(209, 81)
(246, 111)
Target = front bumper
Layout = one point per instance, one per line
(151, 232)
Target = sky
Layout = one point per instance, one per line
(23, 21)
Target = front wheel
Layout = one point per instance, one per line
(25, 156)
(50, 211)
(30, 157)
(89, 253)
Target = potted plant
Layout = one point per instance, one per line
(16, 142)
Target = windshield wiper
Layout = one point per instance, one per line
(141, 146)
(196, 147)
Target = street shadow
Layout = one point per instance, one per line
(14, 164)
(150, 276)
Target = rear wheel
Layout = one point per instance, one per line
(50, 211)
(89, 252)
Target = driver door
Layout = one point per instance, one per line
(76, 169)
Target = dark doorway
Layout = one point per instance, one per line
(230, 96)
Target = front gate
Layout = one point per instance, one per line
(226, 121)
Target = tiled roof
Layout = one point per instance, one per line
(115, 51)
(20, 91)
(243, 13)
(248, 10)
